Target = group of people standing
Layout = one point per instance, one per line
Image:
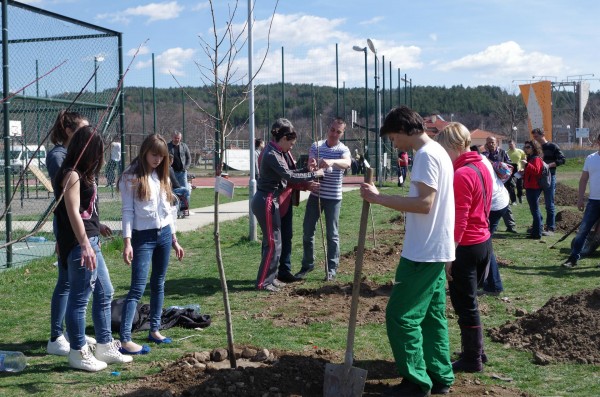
(278, 186)
(453, 206)
(148, 232)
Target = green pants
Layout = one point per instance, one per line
(416, 323)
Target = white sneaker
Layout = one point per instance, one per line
(109, 353)
(60, 347)
(85, 360)
(88, 339)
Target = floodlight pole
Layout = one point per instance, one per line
(366, 155)
(251, 125)
(377, 114)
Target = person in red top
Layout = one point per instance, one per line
(473, 200)
(532, 173)
(402, 167)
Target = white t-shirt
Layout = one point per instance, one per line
(500, 197)
(430, 237)
(592, 166)
(115, 151)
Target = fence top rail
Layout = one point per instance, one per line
(13, 3)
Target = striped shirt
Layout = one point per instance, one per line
(331, 184)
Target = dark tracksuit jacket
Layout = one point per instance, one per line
(275, 174)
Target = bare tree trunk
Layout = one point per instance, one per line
(228, 321)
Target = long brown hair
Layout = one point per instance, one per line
(87, 147)
(141, 171)
(64, 120)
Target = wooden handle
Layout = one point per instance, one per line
(364, 222)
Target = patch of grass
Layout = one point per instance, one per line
(534, 275)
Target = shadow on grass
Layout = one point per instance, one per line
(202, 286)
(557, 271)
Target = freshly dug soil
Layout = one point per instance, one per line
(566, 220)
(285, 374)
(566, 329)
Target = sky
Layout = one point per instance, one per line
(437, 42)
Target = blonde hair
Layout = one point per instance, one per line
(140, 171)
(454, 136)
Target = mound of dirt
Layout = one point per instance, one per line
(284, 374)
(564, 195)
(565, 329)
(330, 302)
(566, 220)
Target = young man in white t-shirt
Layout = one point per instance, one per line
(591, 174)
(416, 312)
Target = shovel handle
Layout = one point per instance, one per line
(364, 222)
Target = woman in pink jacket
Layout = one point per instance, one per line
(532, 173)
(473, 199)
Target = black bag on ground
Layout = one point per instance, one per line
(187, 318)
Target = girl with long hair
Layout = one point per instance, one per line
(62, 131)
(79, 252)
(148, 235)
(531, 176)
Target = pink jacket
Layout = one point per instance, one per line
(471, 224)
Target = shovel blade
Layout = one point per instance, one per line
(343, 381)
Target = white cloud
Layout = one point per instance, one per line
(201, 6)
(298, 30)
(372, 21)
(153, 11)
(507, 59)
(143, 50)
(173, 61)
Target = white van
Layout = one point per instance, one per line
(20, 155)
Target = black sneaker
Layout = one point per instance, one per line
(287, 277)
(511, 230)
(406, 389)
(303, 273)
(570, 263)
(439, 388)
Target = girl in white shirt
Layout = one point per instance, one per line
(148, 235)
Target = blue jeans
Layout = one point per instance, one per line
(183, 182)
(84, 283)
(533, 196)
(493, 282)
(549, 201)
(181, 191)
(590, 217)
(58, 303)
(152, 246)
(331, 209)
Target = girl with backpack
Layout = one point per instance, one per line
(531, 181)
(148, 235)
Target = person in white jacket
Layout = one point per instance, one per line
(148, 235)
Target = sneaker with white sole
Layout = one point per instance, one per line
(88, 339)
(60, 346)
(85, 360)
(109, 353)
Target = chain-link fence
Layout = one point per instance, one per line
(54, 63)
(305, 86)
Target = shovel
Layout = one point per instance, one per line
(344, 380)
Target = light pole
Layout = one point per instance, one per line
(514, 128)
(364, 49)
(378, 173)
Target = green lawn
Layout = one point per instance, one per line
(533, 277)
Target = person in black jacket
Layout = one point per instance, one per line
(554, 158)
(274, 176)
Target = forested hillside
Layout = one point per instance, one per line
(486, 107)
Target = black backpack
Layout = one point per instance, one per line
(187, 318)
